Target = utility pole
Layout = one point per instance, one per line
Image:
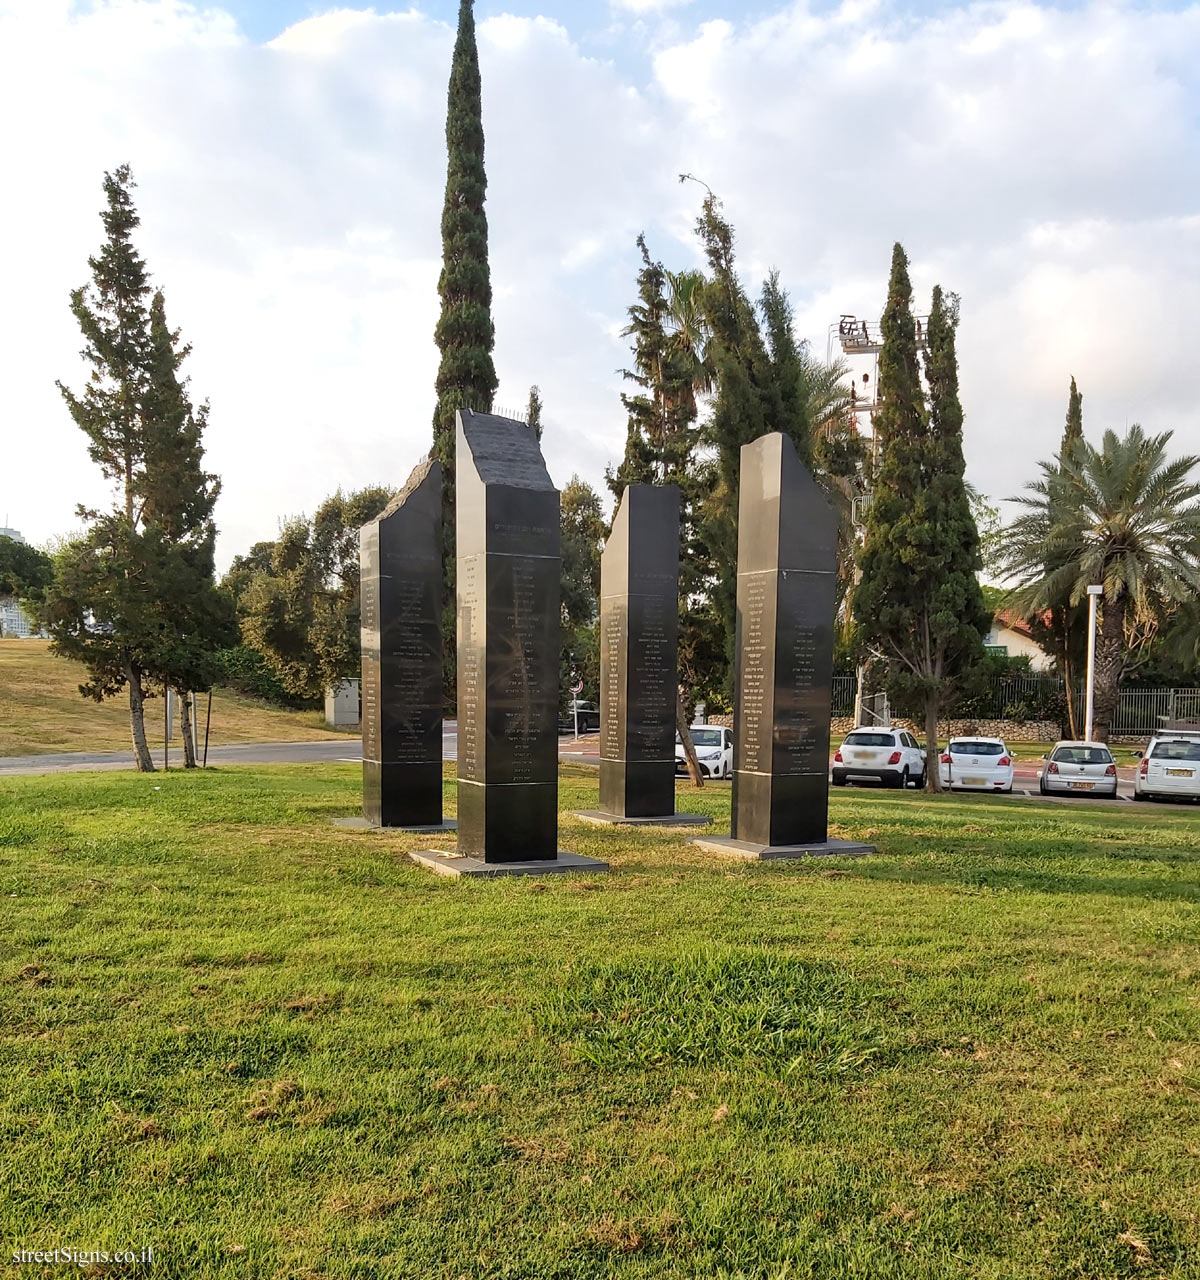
(1094, 593)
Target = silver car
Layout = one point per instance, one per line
(1079, 768)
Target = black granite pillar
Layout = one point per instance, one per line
(639, 626)
(401, 561)
(786, 587)
(509, 620)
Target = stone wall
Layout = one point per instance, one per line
(1009, 730)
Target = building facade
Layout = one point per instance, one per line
(14, 622)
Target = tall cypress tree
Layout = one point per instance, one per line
(919, 604)
(1061, 627)
(787, 366)
(465, 335)
(533, 412)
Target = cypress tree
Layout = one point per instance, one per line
(788, 366)
(1061, 626)
(533, 413)
(1073, 431)
(919, 603)
(466, 377)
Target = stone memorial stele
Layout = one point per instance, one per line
(400, 555)
(639, 675)
(509, 571)
(786, 589)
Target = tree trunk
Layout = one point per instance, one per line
(1068, 675)
(1110, 646)
(685, 736)
(933, 768)
(185, 725)
(137, 721)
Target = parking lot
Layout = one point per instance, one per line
(1027, 757)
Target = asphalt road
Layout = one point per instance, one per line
(328, 750)
(584, 750)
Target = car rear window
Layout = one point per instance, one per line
(1176, 751)
(967, 748)
(871, 740)
(1082, 755)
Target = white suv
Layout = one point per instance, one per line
(892, 757)
(1170, 767)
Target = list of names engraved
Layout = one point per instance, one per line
(754, 698)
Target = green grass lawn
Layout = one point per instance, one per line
(41, 710)
(267, 1047)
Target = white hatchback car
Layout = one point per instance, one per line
(890, 756)
(1170, 767)
(714, 751)
(977, 764)
(1079, 768)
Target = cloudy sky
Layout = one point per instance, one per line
(1042, 162)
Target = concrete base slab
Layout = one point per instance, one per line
(763, 853)
(361, 824)
(445, 863)
(601, 819)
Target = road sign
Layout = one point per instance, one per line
(577, 688)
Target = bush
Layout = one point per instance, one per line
(246, 671)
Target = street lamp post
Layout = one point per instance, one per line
(1094, 593)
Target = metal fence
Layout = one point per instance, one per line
(844, 690)
(1144, 710)
(1028, 698)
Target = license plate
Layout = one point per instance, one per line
(975, 782)
(865, 756)
(1083, 786)
(1179, 773)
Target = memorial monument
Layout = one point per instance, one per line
(509, 617)
(400, 554)
(786, 587)
(639, 629)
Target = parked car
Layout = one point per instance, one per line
(892, 757)
(1079, 768)
(1170, 767)
(589, 718)
(714, 751)
(977, 764)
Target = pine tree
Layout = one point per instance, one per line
(177, 499)
(134, 598)
(670, 338)
(112, 315)
(465, 335)
(919, 604)
(748, 404)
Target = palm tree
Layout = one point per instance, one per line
(1124, 516)
(688, 335)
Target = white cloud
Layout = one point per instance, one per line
(1042, 163)
(648, 6)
